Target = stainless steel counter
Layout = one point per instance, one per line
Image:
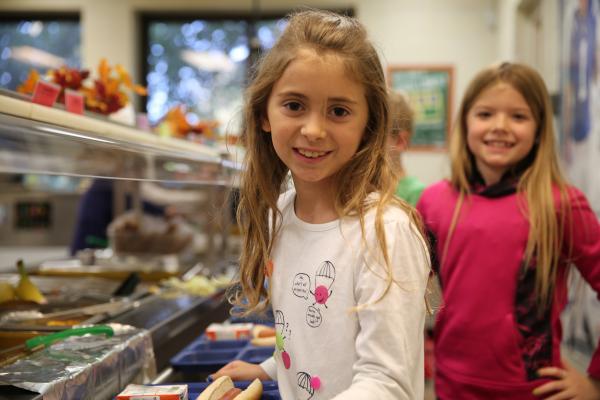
(173, 323)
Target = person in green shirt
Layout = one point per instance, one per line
(409, 188)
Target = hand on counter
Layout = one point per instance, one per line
(242, 371)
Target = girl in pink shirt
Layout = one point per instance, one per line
(507, 226)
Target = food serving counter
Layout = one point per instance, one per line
(172, 323)
(47, 141)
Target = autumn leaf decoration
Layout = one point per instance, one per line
(181, 127)
(65, 77)
(70, 78)
(106, 94)
(28, 86)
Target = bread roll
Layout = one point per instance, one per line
(217, 389)
(223, 389)
(253, 391)
(264, 341)
(262, 331)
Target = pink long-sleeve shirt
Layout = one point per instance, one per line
(489, 339)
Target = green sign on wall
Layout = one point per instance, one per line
(429, 91)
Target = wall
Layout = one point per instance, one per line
(463, 33)
(538, 32)
(458, 32)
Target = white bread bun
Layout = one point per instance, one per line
(253, 391)
(262, 331)
(217, 389)
(264, 341)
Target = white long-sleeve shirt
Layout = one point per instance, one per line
(325, 349)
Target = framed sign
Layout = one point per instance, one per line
(429, 90)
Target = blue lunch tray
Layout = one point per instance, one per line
(203, 355)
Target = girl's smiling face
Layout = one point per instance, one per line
(316, 115)
(501, 130)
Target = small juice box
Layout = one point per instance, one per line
(229, 331)
(165, 392)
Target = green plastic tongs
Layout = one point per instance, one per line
(12, 354)
(47, 340)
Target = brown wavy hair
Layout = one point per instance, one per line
(264, 174)
(535, 184)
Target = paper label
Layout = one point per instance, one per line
(45, 93)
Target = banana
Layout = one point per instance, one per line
(26, 290)
(7, 292)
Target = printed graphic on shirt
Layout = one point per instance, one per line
(305, 388)
(323, 280)
(282, 333)
(313, 317)
(301, 287)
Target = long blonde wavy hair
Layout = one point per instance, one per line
(536, 183)
(264, 173)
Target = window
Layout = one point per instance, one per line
(202, 64)
(41, 42)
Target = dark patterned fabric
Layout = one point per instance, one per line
(433, 255)
(507, 184)
(534, 327)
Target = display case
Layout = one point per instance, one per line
(38, 141)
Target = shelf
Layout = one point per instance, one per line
(44, 140)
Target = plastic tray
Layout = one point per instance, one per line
(270, 389)
(203, 355)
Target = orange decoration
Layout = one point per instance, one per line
(65, 77)
(176, 118)
(269, 268)
(28, 86)
(105, 96)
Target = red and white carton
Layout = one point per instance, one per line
(74, 101)
(164, 392)
(229, 331)
(45, 93)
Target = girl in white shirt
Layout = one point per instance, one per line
(339, 258)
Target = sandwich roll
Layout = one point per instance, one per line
(253, 391)
(217, 389)
(260, 331)
(231, 394)
(263, 341)
(223, 389)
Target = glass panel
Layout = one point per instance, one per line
(35, 147)
(42, 45)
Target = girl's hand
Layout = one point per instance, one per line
(242, 371)
(568, 384)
